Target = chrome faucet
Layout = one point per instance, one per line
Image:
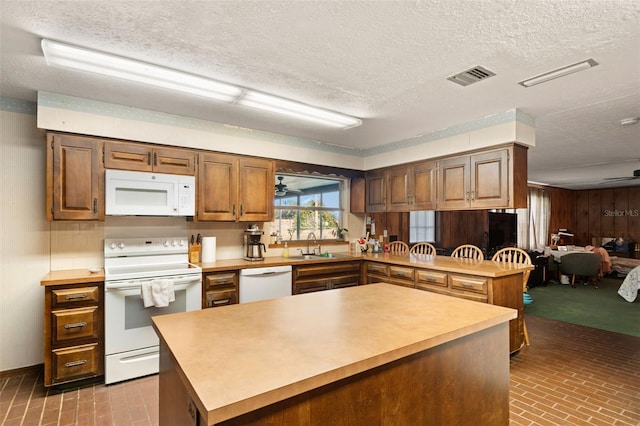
(311, 234)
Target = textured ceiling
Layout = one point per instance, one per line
(385, 62)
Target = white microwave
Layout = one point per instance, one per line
(130, 193)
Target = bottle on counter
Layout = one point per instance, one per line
(285, 251)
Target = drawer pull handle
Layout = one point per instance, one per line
(430, 279)
(75, 325)
(467, 284)
(220, 301)
(76, 296)
(75, 363)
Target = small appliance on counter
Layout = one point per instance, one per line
(252, 244)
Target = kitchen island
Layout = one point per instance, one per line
(374, 354)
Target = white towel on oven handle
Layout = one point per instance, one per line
(162, 292)
(145, 294)
(159, 293)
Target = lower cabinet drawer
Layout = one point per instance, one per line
(401, 273)
(377, 268)
(430, 278)
(345, 281)
(220, 279)
(76, 362)
(464, 283)
(68, 296)
(221, 298)
(301, 287)
(71, 324)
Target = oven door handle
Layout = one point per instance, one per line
(124, 285)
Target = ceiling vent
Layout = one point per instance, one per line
(471, 76)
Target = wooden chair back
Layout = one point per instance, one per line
(398, 247)
(423, 248)
(514, 255)
(468, 251)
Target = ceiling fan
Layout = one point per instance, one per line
(281, 188)
(636, 175)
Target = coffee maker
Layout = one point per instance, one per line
(252, 244)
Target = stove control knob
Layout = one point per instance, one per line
(174, 243)
(121, 245)
(166, 243)
(181, 243)
(112, 246)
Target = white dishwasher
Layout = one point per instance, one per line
(265, 283)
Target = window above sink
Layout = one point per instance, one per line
(307, 208)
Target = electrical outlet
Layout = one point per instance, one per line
(384, 233)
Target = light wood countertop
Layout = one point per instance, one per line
(72, 276)
(485, 268)
(239, 358)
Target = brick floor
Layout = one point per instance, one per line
(569, 375)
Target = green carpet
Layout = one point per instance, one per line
(602, 308)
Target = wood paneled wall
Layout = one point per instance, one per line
(563, 210)
(454, 228)
(607, 213)
(396, 224)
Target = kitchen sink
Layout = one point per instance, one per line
(319, 256)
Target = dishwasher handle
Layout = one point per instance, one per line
(271, 270)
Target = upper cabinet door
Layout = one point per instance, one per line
(217, 186)
(424, 189)
(127, 156)
(490, 179)
(233, 188)
(174, 161)
(145, 158)
(399, 187)
(255, 190)
(75, 178)
(376, 191)
(453, 183)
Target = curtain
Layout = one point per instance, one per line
(538, 218)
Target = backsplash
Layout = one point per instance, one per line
(76, 245)
(79, 244)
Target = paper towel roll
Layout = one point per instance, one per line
(208, 249)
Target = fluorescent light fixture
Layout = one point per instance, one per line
(67, 56)
(296, 109)
(78, 58)
(560, 72)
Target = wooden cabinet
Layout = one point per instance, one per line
(357, 202)
(220, 289)
(325, 276)
(392, 274)
(402, 188)
(149, 158)
(376, 191)
(484, 180)
(74, 332)
(412, 187)
(501, 291)
(234, 188)
(423, 189)
(75, 178)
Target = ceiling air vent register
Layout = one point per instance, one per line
(471, 76)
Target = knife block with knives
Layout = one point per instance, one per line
(195, 249)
